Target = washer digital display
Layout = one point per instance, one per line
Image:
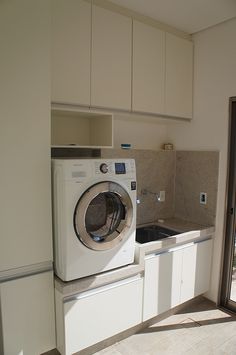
(120, 168)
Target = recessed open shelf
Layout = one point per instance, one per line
(73, 128)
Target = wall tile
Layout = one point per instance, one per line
(182, 174)
(196, 172)
(155, 172)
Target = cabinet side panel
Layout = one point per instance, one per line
(60, 329)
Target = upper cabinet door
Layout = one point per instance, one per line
(179, 76)
(111, 59)
(71, 37)
(148, 68)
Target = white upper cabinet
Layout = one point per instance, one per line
(148, 68)
(179, 76)
(111, 59)
(71, 37)
(99, 60)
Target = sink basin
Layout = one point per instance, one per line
(152, 233)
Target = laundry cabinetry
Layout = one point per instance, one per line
(27, 315)
(178, 77)
(175, 276)
(107, 57)
(73, 128)
(71, 37)
(148, 68)
(86, 318)
(111, 59)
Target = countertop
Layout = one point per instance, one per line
(189, 232)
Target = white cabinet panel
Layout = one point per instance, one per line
(148, 68)
(162, 283)
(176, 276)
(203, 266)
(111, 59)
(179, 76)
(71, 37)
(188, 273)
(196, 270)
(27, 311)
(25, 204)
(98, 314)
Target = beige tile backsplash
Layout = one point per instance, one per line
(196, 172)
(182, 175)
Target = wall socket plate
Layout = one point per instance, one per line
(203, 198)
(162, 196)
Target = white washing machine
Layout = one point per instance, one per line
(94, 215)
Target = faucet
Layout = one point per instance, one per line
(158, 195)
(146, 191)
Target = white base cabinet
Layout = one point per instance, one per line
(27, 315)
(161, 283)
(94, 315)
(175, 276)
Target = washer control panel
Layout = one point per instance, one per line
(115, 167)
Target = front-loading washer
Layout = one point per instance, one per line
(94, 215)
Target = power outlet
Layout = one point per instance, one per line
(162, 196)
(203, 198)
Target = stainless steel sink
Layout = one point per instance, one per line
(152, 233)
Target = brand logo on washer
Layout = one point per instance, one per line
(133, 185)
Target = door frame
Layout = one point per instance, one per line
(230, 213)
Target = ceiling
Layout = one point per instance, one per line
(187, 15)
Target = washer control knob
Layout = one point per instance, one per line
(104, 168)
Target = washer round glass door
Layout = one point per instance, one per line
(103, 216)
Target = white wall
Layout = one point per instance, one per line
(145, 133)
(214, 83)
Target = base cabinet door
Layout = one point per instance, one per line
(101, 313)
(188, 273)
(162, 283)
(176, 276)
(196, 269)
(27, 323)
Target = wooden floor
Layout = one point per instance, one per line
(201, 329)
